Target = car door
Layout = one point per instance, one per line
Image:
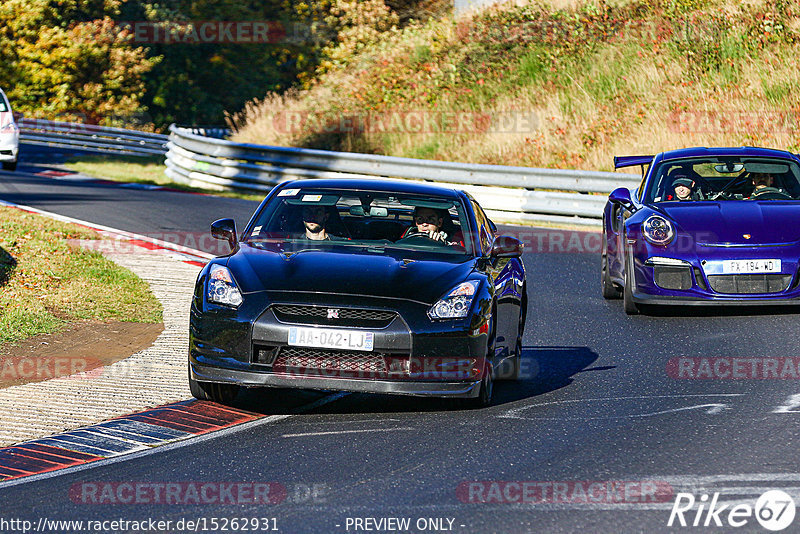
(505, 274)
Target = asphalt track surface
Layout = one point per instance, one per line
(596, 404)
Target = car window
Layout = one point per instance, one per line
(381, 221)
(725, 178)
(484, 229)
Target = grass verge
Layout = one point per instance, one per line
(47, 283)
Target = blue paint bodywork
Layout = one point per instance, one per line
(707, 232)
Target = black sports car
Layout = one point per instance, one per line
(360, 285)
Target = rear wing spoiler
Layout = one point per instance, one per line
(631, 161)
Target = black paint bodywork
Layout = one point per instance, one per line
(225, 342)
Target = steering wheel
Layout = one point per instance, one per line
(420, 240)
(770, 193)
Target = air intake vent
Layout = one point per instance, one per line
(747, 284)
(332, 316)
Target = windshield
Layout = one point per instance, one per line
(383, 222)
(725, 178)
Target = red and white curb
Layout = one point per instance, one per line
(187, 255)
(117, 437)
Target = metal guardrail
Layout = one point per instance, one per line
(513, 194)
(91, 138)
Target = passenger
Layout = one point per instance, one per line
(683, 187)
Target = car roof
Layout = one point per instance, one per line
(376, 184)
(742, 151)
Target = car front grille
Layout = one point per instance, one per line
(669, 277)
(332, 316)
(304, 362)
(745, 284)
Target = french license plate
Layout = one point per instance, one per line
(329, 338)
(751, 266)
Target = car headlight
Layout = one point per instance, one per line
(658, 230)
(456, 303)
(222, 288)
(8, 128)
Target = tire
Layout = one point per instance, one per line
(221, 393)
(484, 398)
(511, 368)
(516, 368)
(9, 165)
(627, 293)
(610, 291)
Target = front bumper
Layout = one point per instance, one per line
(458, 389)
(249, 347)
(744, 300)
(9, 147)
(696, 283)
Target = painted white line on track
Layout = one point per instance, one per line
(335, 432)
(350, 422)
(714, 408)
(711, 409)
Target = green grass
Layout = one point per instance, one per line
(426, 150)
(142, 170)
(48, 283)
(777, 92)
(147, 170)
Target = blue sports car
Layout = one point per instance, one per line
(705, 226)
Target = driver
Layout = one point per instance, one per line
(428, 223)
(763, 183)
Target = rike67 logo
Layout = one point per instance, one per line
(774, 510)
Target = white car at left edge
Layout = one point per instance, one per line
(9, 135)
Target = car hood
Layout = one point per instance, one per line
(348, 273)
(728, 222)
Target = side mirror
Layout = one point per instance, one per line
(622, 197)
(505, 246)
(225, 229)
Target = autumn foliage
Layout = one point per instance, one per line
(78, 59)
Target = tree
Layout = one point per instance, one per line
(66, 59)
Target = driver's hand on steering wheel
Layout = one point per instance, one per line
(437, 236)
